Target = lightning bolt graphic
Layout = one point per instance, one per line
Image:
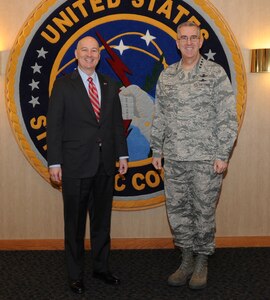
(116, 63)
(120, 70)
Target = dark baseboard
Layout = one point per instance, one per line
(134, 243)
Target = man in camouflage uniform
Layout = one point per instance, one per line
(194, 129)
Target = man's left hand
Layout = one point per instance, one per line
(220, 166)
(123, 166)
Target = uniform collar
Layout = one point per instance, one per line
(196, 68)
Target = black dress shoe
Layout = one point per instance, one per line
(77, 287)
(108, 278)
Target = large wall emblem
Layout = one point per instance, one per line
(137, 41)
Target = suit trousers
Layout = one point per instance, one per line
(82, 195)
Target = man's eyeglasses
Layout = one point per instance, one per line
(185, 38)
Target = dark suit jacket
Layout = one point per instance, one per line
(74, 134)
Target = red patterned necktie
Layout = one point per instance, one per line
(93, 94)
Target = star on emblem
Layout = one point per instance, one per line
(36, 68)
(34, 84)
(148, 37)
(121, 47)
(42, 53)
(210, 55)
(34, 101)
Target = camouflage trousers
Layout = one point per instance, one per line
(192, 190)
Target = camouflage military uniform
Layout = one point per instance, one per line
(195, 123)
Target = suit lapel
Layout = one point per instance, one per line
(104, 95)
(83, 96)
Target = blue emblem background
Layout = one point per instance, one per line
(140, 64)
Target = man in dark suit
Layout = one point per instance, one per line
(84, 143)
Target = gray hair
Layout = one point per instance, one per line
(188, 24)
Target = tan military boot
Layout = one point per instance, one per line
(199, 276)
(184, 272)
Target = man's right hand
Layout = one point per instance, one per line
(55, 174)
(156, 162)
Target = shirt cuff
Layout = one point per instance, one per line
(55, 166)
(124, 157)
